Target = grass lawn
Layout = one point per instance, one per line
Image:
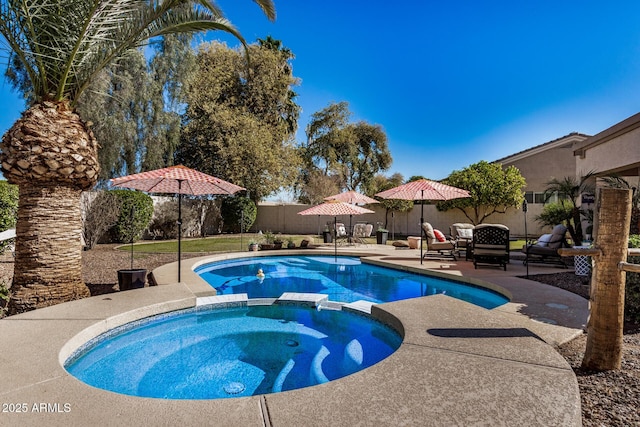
(234, 243)
(225, 243)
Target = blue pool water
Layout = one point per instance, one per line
(344, 279)
(210, 354)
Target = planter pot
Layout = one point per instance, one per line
(253, 247)
(291, 245)
(381, 237)
(327, 237)
(131, 279)
(266, 246)
(277, 245)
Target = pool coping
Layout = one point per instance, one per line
(459, 364)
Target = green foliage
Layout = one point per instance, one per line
(351, 153)
(569, 189)
(136, 104)
(232, 213)
(493, 189)
(8, 209)
(128, 228)
(71, 44)
(634, 241)
(555, 213)
(382, 183)
(632, 288)
(241, 117)
(8, 205)
(5, 296)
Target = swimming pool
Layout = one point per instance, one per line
(223, 353)
(344, 279)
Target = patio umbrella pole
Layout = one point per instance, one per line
(179, 226)
(422, 232)
(335, 238)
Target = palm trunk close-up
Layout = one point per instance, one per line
(51, 155)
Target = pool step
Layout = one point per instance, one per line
(302, 299)
(222, 301)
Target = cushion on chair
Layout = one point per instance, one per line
(428, 230)
(465, 233)
(543, 241)
(439, 236)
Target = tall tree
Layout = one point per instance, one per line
(493, 189)
(50, 152)
(136, 104)
(241, 117)
(353, 153)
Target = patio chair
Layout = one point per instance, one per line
(360, 232)
(490, 245)
(462, 233)
(438, 248)
(545, 250)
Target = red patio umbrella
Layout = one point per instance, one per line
(334, 209)
(177, 180)
(423, 189)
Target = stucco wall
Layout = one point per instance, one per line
(285, 219)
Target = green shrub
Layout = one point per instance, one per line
(231, 211)
(128, 228)
(632, 287)
(8, 209)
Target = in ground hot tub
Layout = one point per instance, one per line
(221, 353)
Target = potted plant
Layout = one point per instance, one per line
(253, 246)
(277, 242)
(290, 243)
(269, 240)
(327, 237)
(381, 236)
(132, 278)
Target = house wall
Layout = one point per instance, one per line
(615, 155)
(538, 169)
(540, 164)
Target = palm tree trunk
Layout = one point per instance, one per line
(51, 154)
(48, 263)
(606, 320)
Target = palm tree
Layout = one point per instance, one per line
(50, 152)
(570, 188)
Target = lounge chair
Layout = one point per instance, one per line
(438, 248)
(545, 250)
(490, 245)
(462, 233)
(8, 235)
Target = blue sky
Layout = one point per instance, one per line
(452, 82)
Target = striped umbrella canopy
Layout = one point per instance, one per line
(423, 189)
(352, 197)
(333, 208)
(176, 180)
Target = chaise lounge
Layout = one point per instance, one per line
(545, 250)
(438, 248)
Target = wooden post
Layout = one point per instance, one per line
(606, 320)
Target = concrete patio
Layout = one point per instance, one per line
(459, 364)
